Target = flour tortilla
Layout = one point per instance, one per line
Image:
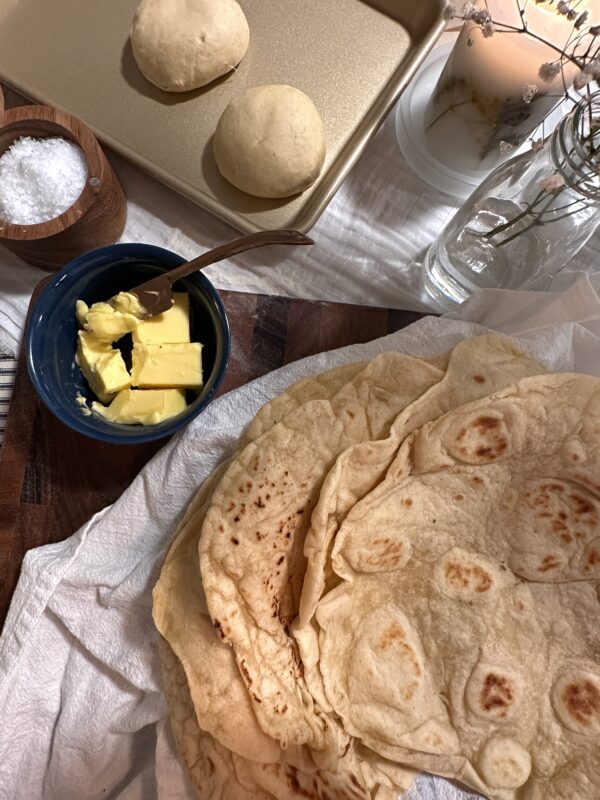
(316, 387)
(215, 690)
(477, 367)
(465, 637)
(218, 774)
(179, 610)
(252, 539)
(218, 689)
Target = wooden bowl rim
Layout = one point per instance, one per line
(76, 131)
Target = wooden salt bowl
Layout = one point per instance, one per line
(95, 219)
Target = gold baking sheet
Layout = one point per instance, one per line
(352, 58)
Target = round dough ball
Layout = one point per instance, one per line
(184, 44)
(270, 141)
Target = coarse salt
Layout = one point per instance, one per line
(39, 179)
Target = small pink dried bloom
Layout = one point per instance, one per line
(595, 30)
(581, 20)
(549, 70)
(506, 147)
(553, 183)
(449, 13)
(591, 72)
(529, 92)
(563, 8)
(483, 19)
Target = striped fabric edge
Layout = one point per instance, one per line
(8, 370)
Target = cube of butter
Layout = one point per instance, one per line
(143, 406)
(170, 326)
(102, 366)
(159, 366)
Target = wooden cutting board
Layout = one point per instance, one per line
(53, 479)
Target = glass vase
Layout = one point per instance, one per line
(527, 219)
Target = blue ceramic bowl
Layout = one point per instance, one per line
(51, 337)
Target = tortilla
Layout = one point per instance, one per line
(465, 638)
(476, 367)
(252, 540)
(219, 696)
(218, 774)
(215, 695)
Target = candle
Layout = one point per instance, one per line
(491, 90)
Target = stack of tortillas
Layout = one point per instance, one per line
(397, 571)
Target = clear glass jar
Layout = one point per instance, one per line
(527, 219)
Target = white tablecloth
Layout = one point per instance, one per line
(380, 219)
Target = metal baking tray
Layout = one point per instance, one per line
(353, 58)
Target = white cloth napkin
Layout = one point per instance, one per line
(81, 709)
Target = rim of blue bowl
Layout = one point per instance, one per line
(73, 270)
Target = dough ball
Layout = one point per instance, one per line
(183, 44)
(270, 141)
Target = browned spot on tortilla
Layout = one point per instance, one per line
(408, 502)
(300, 511)
(230, 507)
(574, 457)
(582, 701)
(395, 635)
(257, 698)
(385, 551)
(459, 497)
(487, 423)
(280, 560)
(351, 414)
(234, 540)
(219, 628)
(485, 452)
(462, 576)
(496, 694)
(582, 504)
(478, 378)
(477, 479)
(461, 434)
(392, 634)
(236, 518)
(221, 528)
(549, 562)
(245, 672)
(593, 559)
(259, 503)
